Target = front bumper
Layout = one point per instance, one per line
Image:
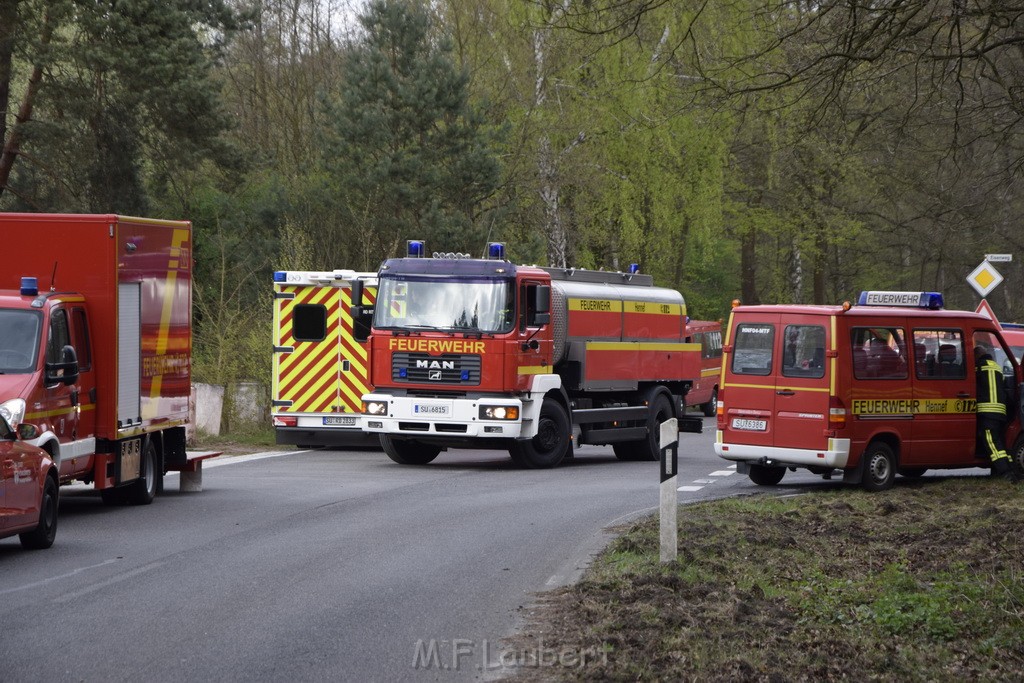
(441, 417)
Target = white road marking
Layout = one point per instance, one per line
(71, 573)
(722, 473)
(112, 580)
(689, 488)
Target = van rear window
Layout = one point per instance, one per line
(752, 354)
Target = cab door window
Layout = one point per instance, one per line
(804, 354)
(939, 354)
(60, 336)
(753, 349)
(879, 352)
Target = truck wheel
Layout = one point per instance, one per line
(46, 531)
(648, 448)
(407, 452)
(1017, 456)
(549, 447)
(763, 475)
(879, 467)
(711, 407)
(142, 491)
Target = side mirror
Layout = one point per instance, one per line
(66, 371)
(27, 431)
(539, 305)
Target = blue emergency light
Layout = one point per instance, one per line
(634, 268)
(280, 275)
(929, 300)
(496, 250)
(416, 248)
(29, 286)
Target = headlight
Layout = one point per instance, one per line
(375, 407)
(13, 411)
(499, 412)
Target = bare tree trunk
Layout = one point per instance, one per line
(13, 141)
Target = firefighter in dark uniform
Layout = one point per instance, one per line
(992, 413)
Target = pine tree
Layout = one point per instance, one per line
(410, 155)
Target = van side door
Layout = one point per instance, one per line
(944, 392)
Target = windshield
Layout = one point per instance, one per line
(432, 304)
(19, 340)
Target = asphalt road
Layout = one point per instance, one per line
(323, 565)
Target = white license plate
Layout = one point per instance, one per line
(340, 421)
(431, 409)
(749, 425)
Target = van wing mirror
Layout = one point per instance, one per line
(66, 371)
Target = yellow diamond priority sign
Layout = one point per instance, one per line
(984, 278)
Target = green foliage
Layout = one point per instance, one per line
(407, 151)
(126, 101)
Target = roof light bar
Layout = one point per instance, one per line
(496, 250)
(929, 300)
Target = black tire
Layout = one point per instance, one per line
(912, 472)
(711, 407)
(407, 451)
(763, 475)
(552, 442)
(879, 467)
(43, 535)
(142, 491)
(648, 448)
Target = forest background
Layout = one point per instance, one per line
(770, 151)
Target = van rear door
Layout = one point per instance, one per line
(802, 385)
(749, 385)
(778, 378)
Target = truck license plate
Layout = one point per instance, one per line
(340, 421)
(434, 409)
(749, 425)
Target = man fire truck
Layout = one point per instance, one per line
(95, 346)
(483, 353)
(320, 371)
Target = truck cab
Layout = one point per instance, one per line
(46, 372)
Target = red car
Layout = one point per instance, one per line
(28, 486)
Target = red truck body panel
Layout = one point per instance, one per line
(92, 255)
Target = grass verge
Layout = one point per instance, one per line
(923, 582)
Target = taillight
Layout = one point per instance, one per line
(720, 410)
(285, 421)
(836, 414)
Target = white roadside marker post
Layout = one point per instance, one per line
(669, 442)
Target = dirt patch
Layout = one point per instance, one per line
(919, 583)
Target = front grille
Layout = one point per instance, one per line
(420, 368)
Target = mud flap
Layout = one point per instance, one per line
(691, 425)
(855, 474)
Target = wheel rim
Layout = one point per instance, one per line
(49, 511)
(879, 468)
(547, 436)
(150, 474)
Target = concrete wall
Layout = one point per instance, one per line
(247, 400)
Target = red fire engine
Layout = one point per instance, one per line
(483, 353)
(99, 361)
(872, 390)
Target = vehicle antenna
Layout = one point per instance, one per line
(53, 278)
